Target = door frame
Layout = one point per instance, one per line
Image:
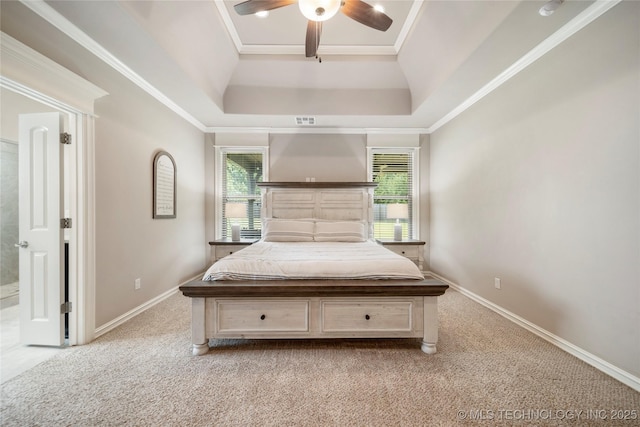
(35, 76)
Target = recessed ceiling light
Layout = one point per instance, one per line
(550, 7)
(262, 14)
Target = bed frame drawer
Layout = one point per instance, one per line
(340, 316)
(241, 317)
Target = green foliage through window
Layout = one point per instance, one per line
(393, 171)
(243, 170)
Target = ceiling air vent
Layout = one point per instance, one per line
(305, 121)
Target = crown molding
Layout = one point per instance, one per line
(254, 49)
(324, 49)
(24, 68)
(228, 23)
(598, 8)
(408, 23)
(590, 14)
(61, 23)
(319, 130)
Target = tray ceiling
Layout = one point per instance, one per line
(220, 70)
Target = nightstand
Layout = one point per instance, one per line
(222, 247)
(410, 248)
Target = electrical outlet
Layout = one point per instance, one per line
(497, 284)
(137, 284)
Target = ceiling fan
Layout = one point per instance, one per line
(317, 11)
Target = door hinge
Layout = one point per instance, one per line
(65, 138)
(65, 307)
(65, 223)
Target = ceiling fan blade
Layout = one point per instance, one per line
(250, 7)
(366, 14)
(314, 29)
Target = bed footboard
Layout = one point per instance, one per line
(314, 309)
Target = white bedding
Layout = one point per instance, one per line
(313, 260)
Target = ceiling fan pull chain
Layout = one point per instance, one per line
(318, 32)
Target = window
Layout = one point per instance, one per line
(238, 172)
(395, 170)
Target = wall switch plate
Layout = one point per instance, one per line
(497, 283)
(137, 284)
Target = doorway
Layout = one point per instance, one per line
(30, 77)
(16, 357)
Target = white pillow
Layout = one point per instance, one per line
(340, 231)
(287, 230)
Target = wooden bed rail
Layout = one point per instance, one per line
(313, 288)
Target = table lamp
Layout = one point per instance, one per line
(397, 211)
(235, 211)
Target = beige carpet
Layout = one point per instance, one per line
(487, 371)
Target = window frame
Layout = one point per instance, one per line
(415, 179)
(220, 154)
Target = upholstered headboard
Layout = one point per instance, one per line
(321, 200)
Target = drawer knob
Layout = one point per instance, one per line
(366, 316)
(263, 317)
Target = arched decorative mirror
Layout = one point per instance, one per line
(164, 186)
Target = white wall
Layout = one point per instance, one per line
(163, 253)
(539, 184)
(332, 158)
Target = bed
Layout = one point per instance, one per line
(316, 272)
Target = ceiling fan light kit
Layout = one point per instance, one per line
(319, 10)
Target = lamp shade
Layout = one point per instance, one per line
(397, 211)
(319, 10)
(236, 210)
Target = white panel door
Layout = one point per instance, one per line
(41, 241)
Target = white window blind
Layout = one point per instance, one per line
(394, 173)
(241, 171)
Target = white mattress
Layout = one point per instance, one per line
(313, 260)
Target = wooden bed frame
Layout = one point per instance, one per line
(273, 309)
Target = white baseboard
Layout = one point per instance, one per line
(598, 363)
(139, 309)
